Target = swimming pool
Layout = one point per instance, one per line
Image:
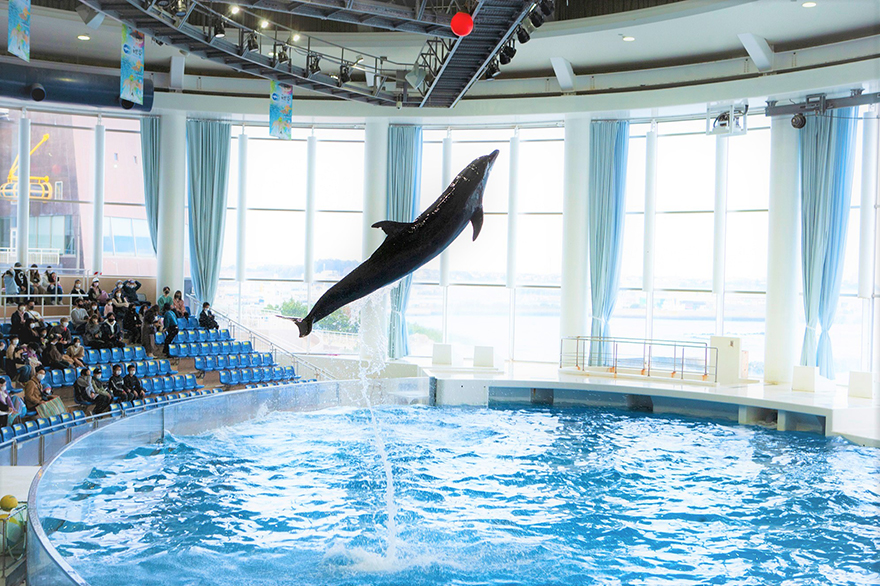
(483, 496)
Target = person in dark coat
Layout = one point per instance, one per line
(133, 384)
(111, 333)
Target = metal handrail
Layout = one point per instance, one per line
(274, 346)
(604, 352)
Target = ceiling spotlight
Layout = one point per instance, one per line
(251, 43)
(416, 77)
(84, 37)
(628, 39)
(522, 35)
(264, 24)
(219, 30)
(295, 37)
(281, 55)
(798, 120)
(809, 4)
(234, 9)
(180, 7)
(537, 18)
(344, 74)
(547, 7)
(507, 53)
(313, 63)
(492, 70)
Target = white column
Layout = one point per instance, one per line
(650, 222)
(447, 178)
(512, 210)
(575, 259)
(98, 208)
(24, 188)
(172, 202)
(720, 231)
(783, 303)
(867, 236)
(373, 316)
(241, 208)
(311, 171)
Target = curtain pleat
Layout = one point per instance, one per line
(150, 135)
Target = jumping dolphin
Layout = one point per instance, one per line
(408, 246)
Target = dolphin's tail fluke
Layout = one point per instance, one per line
(304, 325)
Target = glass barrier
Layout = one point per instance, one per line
(49, 508)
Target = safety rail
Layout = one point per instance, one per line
(259, 340)
(38, 256)
(8, 303)
(636, 356)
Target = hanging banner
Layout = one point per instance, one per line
(280, 110)
(19, 31)
(131, 83)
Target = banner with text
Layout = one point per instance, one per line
(280, 110)
(131, 85)
(19, 30)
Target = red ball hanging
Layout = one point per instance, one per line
(462, 24)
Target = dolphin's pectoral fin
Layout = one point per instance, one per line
(391, 228)
(477, 221)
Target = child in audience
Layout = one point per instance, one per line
(62, 330)
(7, 408)
(133, 384)
(101, 391)
(76, 352)
(83, 393)
(117, 385)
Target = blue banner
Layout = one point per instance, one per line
(131, 83)
(280, 110)
(19, 31)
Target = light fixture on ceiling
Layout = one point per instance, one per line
(809, 4)
(547, 7)
(281, 55)
(628, 39)
(344, 73)
(416, 77)
(798, 121)
(219, 31)
(251, 43)
(522, 35)
(507, 53)
(234, 9)
(294, 37)
(313, 63)
(84, 37)
(536, 18)
(264, 23)
(180, 7)
(493, 70)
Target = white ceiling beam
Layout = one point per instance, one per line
(759, 50)
(564, 73)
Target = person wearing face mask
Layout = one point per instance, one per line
(31, 335)
(85, 393)
(20, 320)
(79, 317)
(77, 291)
(165, 298)
(53, 287)
(34, 393)
(76, 352)
(34, 314)
(92, 333)
(34, 281)
(116, 385)
(102, 405)
(206, 317)
(21, 279)
(52, 356)
(7, 408)
(16, 361)
(63, 331)
(179, 305)
(97, 296)
(111, 333)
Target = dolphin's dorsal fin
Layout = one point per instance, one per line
(391, 228)
(477, 221)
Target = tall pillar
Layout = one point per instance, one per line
(512, 211)
(719, 243)
(650, 223)
(98, 207)
(24, 188)
(444, 256)
(783, 303)
(575, 259)
(241, 208)
(311, 176)
(374, 314)
(868, 255)
(172, 202)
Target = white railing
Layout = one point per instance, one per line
(39, 256)
(635, 356)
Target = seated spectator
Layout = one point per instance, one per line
(35, 286)
(85, 393)
(79, 317)
(179, 305)
(133, 384)
(129, 291)
(76, 352)
(34, 392)
(165, 298)
(34, 314)
(21, 280)
(53, 357)
(206, 317)
(111, 333)
(32, 359)
(53, 287)
(95, 309)
(170, 327)
(31, 335)
(10, 287)
(42, 341)
(100, 390)
(17, 365)
(98, 296)
(132, 323)
(77, 292)
(119, 304)
(116, 385)
(62, 330)
(20, 320)
(148, 333)
(92, 333)
(7, 408)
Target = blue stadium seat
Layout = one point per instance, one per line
(232, 361)
(204, 348)
(199, 363)
(106, 372)
(106, 357)
(91, 357)
(42, 423)
(225, 377)
(55, 420)
(66, 419)
(160, 338)
(169, 383)
(289, 373)
(247, 375)
(215, 348)
(224, 335)
(255, 359)
(165, 367)
(179, 382)
(141, 369)
(152, 367)
(246, 348)
(5, 329)
(161, 400)
(140, 353)
(30, 426)
(257, 375)
(225, 348)
(137, 405)
(267, 373)
(115, 410)
(210, 363)
(277, 373)
(55, 377)
(236, 347)
(192, 383)
(19, 429)
(6, 434)
(268, 359)
(8, 382)
(222, 362)
(128, 354)
(116, 355)
(148, 386)
(150, 402)
(69, 377)
(193, 323)
(125, 405)
(78, 416)
(174, 350)
(158, 385)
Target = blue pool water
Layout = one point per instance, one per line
(484, 497)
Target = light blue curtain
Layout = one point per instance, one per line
(827, 145)
(150, 134)
(404, 180)
(207, 156)
(609, 146)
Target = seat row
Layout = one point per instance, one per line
(198, 335)
(209, 349)
(168, 384)
(37, 427)
(66, 377)
(257, 375)
(188, 323)
(212, 363)
(114, 355)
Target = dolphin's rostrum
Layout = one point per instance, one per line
(408, 246)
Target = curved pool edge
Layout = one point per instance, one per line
(47, 567)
